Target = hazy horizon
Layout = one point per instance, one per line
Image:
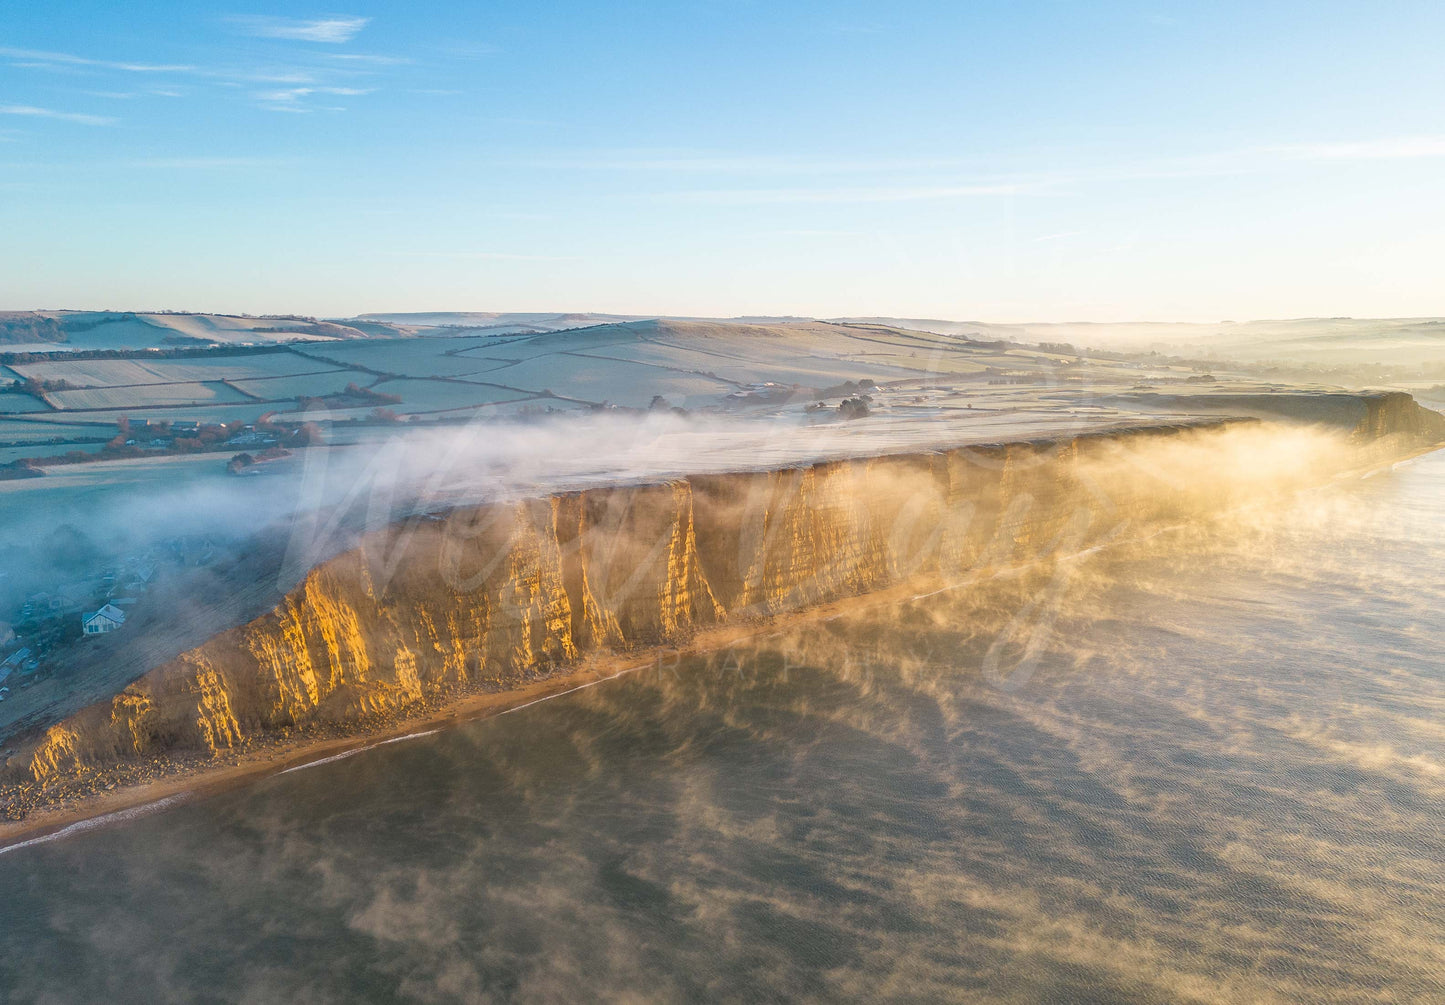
(1022, 321)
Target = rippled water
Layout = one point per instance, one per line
(1206, 767)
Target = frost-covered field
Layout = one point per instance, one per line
(312, 385)
(700, 366)
(709, 368)
(146, 395)
(420, 357)
(597, 379)
(245, 410)
(216, 325)
(440, 395)
(13, 403)
(43, 432)
(119, 372)
(83, 330)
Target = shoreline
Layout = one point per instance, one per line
(190, 783)
(185, 778)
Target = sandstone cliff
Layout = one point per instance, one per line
(495, 595)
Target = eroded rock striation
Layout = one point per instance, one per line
(495, 595)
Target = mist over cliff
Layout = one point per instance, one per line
(1218, 779)
(455, 599)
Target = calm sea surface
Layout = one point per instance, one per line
(1206, 767)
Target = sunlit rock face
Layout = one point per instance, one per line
(492, 596)
(1395, 415)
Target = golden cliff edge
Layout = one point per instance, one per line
(492, 597)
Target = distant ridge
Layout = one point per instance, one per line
(59, 330)
(1336, 341)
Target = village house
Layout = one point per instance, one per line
(193, 551)
(107, 619)
(22, 660)
(250, 438)
(139, 572)
(39, 606)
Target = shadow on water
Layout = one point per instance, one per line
(1217, 778)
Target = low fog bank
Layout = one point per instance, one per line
(195, 551)
(79, 519)
(187, 550)
(525, 588)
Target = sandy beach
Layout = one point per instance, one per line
(196, 778)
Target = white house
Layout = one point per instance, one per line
(107, 619)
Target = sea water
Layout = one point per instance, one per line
(1204, 766)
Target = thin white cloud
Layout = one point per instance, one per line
(1254, 160)
(34, 57)
(292, 93)
(374, 59)
(940, 178)
(288, 99)
(859, 194)
(158, 92)
(206, 163)
(268, 76)
(1397, 148)
(50, 113)
(334, 30)
(668, 162)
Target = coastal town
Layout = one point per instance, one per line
(159, 437)
(85, 595)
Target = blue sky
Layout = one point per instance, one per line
(993, 160)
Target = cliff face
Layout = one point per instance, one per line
(498, 594)
(1395, 418)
